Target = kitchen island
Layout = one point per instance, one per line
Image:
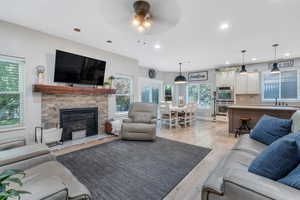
(255, 112)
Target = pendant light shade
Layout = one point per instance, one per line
(243, 67)
(275, 68)
(180, 78)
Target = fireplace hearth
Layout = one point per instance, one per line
(78, 120)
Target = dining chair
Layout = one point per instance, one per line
(168, 116)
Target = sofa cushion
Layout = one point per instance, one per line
(54, 169)
(296, 122)
(269, 129)
(142, 117)
(247, 144)
(278, 159)
(293, 178)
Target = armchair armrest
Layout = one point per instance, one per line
(51, 188)
(153, 121)
(22, 153)
(128, 120)
(10, 143)
(258, 186)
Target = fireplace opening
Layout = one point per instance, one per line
(78, 122)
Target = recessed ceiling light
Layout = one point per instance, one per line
(109, 41)
(227, 62)
(76, 29)
(157, 46)
(287, 54)
(224, 26)
(253, 59)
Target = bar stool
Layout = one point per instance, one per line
(244, 126)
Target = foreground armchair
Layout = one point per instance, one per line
(46, 179)
(141, 122)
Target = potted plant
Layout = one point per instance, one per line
(110, 79)
(107, 84)
(6, 178)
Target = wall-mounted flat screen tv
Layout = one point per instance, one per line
(76, 69)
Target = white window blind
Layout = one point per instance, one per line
(199, 94)
(123, 85)
(11, 91)
(283, 86)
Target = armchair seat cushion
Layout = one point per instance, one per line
(43, 172)
(39, 188)
(22, 153)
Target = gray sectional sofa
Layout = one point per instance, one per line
(230, 180)
(45, 178)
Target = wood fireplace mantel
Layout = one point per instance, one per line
(55, 89)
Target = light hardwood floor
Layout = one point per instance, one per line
(213, 135)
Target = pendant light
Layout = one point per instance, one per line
(243, 67)
(180, 78)
(275, 68)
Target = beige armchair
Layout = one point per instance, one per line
(141, 122)
(46, 178)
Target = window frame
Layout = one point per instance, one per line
(21, 90)
(280, 99)
(130, 93)
(198, 94)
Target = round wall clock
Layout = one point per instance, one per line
(152, 73)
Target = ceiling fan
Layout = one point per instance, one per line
(141, 16)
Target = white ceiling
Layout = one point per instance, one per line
(254, 25)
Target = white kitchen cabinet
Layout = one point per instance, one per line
(225, 79)
(253, 83)
(248, 83)
(241, 84)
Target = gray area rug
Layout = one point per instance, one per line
(133, 170)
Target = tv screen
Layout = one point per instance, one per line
(72, 68)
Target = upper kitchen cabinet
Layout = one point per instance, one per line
(248, 83)
(225, 79)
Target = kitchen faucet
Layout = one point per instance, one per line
(276, 101)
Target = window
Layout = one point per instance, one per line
(11, 92)
(283, 86)
(123, 85)
(199, 94)
(168, 93)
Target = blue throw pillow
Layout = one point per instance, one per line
(268, 129)
(278, 159)
(292, 179)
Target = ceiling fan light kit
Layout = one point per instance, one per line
(142, 17)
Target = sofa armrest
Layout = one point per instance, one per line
(51, 188)
(241, 181)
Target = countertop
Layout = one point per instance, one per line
(264, 107)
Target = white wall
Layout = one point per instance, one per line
(39, 49)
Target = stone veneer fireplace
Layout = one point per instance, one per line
(54, 104)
